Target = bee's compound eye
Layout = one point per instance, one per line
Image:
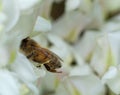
(59, 65)
(25, 40)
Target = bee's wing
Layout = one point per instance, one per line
(58, 57)
(49, 54)
(52, 53)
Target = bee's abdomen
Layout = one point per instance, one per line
(41, 57)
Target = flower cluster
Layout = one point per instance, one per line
(84, 33)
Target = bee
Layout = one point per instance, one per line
(41, 56)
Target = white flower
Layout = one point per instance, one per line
(72, 4)
(103, 55)
(8, 83)
(77, 85)
(90, 62)
(111, 5)
(74, 23)
(88, 85)
(85, 47)
(2, 18)
(112, 79)
(26, 4)
(110, 74)
(42, 24)
(4, 57)
(114, 41)
(9, 14)
(80, 70)
(23, 68)
(24, 71)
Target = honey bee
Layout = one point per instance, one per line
(34, 52)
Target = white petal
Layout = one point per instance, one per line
(24, 69)
(25, 4)
(33, 88)
(42, 24)
(25, 72)
(111, 26)
(111, 5)
(87, 44)
(103, 57)
(11, 16)
(2, 18)
(61, 90)
(70, 25)
(4, 56)
(112, 72)
(113, 81)
(8, 84)
(40, 72)
(114, 39)
(88, 85)
(81, 71)
(72, 4)
(25, 24)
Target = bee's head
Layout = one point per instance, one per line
(28, 43)
(58, 65)
(24, 42)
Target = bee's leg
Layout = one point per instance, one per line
(38, 66)
(55, 71)
(30, 55)
(51, 70)
(47, 67)
(46, 62)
